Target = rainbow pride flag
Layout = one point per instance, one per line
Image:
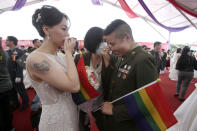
(149, 109)
(87, 91)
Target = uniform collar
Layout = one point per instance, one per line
(131, 52)
(13, 48)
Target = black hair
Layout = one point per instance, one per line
(93, 38)
(120, 28)
(30, 49)
(1, 47)
(47, 15)
(13, 39)
(185, 50)
(185, 58)
(178, 50)
(82, 49)
(34, 40)
(144, 46)
(157, 43)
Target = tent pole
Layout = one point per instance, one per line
(169, 38)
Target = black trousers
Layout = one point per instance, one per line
(19, 88)
(5, 112)
(184, 78)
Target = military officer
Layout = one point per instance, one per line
(129, 70)
(16, 73)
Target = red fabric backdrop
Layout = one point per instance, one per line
(25, 43)
(28, 43)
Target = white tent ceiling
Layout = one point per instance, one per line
(163, 10)
(7, 5)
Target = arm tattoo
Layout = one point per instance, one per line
(42, 66)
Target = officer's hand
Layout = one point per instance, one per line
(107, 108)
(17, 80)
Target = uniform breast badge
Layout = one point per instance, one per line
(14, 54)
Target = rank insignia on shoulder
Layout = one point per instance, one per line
(133, 53)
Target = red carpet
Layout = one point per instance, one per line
(169, 89)
(22, 122)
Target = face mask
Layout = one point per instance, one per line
(102, 45)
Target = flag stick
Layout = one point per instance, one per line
(130, 93)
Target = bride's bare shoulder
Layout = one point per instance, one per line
(35, 57)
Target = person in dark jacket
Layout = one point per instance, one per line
(131, 69)
(157, 55)
(16, 72)
(5, 87)
(185, 66)
(163, 60)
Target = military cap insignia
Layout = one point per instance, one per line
(133, 53)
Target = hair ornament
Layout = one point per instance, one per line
(39, 17)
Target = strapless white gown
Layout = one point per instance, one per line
(59, 113)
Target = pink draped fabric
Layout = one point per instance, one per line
(176, 4)
(127, 9)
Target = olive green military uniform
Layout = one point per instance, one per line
(130, 72)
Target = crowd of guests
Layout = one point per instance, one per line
(115, 65)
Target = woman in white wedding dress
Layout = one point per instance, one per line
(186, 114)
(54, 77)
(173, 75)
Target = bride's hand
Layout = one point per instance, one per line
(69, 45)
